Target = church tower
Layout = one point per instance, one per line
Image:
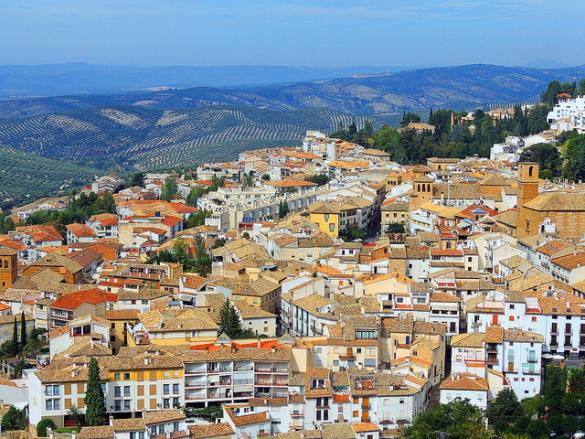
(8, 268)
(527, 190)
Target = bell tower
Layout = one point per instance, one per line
(526, 225)
(8, 268)
(422, 191)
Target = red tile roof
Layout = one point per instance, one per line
(81, 231)
(171, 221)
(72, 301)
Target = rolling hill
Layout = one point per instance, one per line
(78, 78)
(152, 138)
(25, 177)
(179, 127)
(461, 87)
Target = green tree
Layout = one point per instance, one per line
(181, 250)
(283, 209)
(533, 406)
(395, 228)
(95, 412)
(537, 429)
(22, 331)
(219, 242)
(198, 218)
(14, 419)
(229, 320)
(266, 177)
(248, 180)
(43, 425)
(216, 183)
(246, 235)
(202, 263)
(320, 179)
(577, 380)
(549, 96)
(14, 345)
(409, 117)
(458, 420)
(169, 189)
(581, 89)
(547, 156)
(355, 233)
(75, 414)
(505, 408)
(137, 179)
(555, 383)
(194, 195)
(388, 139)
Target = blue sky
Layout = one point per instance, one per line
(292, 32)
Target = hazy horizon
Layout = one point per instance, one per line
(293, 33)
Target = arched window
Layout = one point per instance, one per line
(530, 169)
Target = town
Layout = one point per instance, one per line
(321, 290)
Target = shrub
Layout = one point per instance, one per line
(43, 425)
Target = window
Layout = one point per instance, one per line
(53, 404)
(166, 403)
(127, 404)
(117, 392)
(117, 376)
(176, 426)
(53, 390)
(166, 389)
(175, 388)
(126, 391)
(331, 227)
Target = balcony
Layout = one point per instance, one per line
(195, 369)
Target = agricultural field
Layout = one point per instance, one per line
(25, 177)
(150, 138)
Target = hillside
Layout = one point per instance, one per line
(461, 87)
(167, 128)
(25, 177)
(78, 78)
(153, 138)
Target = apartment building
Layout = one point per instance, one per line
(226, 372)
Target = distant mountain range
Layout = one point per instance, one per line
(462, 87)
(169, 127)
(79, 78)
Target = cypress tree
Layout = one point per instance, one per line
(22, 331)
(14, 343)
(95, 413)
(229, 323)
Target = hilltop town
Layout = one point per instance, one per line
(313, 291)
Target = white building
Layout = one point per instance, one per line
(465, 386)
(568, 115)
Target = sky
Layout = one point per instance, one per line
(324, 33)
